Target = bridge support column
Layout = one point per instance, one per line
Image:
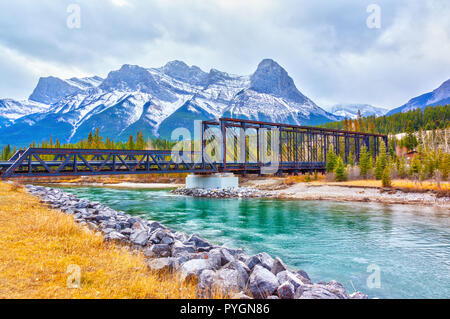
(215, 181)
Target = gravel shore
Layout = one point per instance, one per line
(303, 191)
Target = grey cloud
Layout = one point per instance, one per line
(324, 45)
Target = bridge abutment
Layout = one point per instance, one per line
(214, 181)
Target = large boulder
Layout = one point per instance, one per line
(230, 280)
(206, 281)
(278, 266)
(337, 289)
(193, 268)
(114, 237)
(287, 276)
(161, 264)
(168, 240)
(303, 276)
(262, 259)
(315, 291)
(262, 283)
(239, 266)
(286, 291)
(178, 248)
(159, 250)
(139, 237)
(198, 242)
(219, 257)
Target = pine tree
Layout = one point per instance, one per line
(308, 177)
(339, 171)
(331, 160)
(429, 164)
(316, 175)
(351, 159)
(410, 141)
(402, 172)
(444, 165)
(140, 141)
(386, 177)
(130, 143)
(97, 140)
(90, 140)
(415, 166)
(7, 152)
(364, 162)
(381, 161)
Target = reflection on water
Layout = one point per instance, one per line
(329, 240)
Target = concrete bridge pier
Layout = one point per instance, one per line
(215, 181)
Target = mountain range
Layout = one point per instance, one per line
(440, 96)
(350, 111)
(154, 100)
(158, 100)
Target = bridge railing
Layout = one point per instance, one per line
(36, 162)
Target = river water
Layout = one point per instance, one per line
(386, 251)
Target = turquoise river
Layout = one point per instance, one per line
(406, 247)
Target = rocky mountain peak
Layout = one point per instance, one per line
(181, 71)
(271, 78)
(51, 89)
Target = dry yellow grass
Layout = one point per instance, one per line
(292, 179)
(397, 183)
(112, 179)
(40, 244)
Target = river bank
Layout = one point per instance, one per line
(305, 191)
(215, 268)
(275, 187)
(46, 255)
(129, 185)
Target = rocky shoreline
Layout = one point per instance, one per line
(214, 268)
(240, 192)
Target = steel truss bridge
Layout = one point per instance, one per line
(225, 145)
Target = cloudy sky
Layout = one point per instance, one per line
(326, 46)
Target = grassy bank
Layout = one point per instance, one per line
(39, 245)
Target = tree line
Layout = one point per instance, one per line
(431, 118)
(95, 140)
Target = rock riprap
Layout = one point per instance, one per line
(238, 192)
(214, 268)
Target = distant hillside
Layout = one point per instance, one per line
(432, 117)
(350, 111)
(440, 96)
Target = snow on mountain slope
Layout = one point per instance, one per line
(272, 96)
(350, 111)
(50, 89)
(158, 100)
(12, 109)
(440, 96)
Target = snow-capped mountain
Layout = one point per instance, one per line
(158, 100)
(50, 89)
(350, 111)
(11, 110)
(440, 96)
